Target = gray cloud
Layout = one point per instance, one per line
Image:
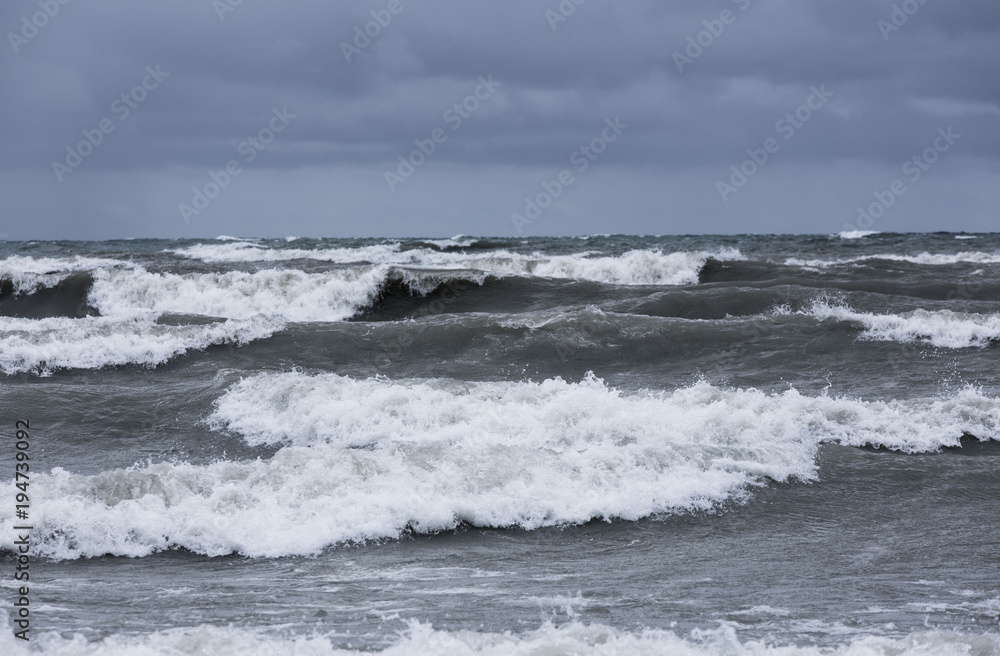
(325, 173)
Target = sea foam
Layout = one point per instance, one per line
(575, 638)
(27, 274)
(857, 234)
(44, 345)
(371, 459)
(287, 294)
(941, 328)
(925, 259)
(636, 267)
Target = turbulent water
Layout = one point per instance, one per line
(601, 445)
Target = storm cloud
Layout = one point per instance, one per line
(196, 118)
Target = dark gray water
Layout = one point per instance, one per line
(603, 445)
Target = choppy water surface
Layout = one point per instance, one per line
(704, 445)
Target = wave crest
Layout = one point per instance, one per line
(570, 638)
(371, 459)
(45, 345)
(635, 267)
(941, 328)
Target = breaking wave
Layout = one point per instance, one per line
(370, 459)
(941, 328)
(635, 267)
(571, 638)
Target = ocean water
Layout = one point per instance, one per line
(601, 445)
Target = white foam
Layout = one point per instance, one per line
(122, 289)
(130, 299)
(857, 234)
(44, 345)
(636, 267)
(241, 251)
(764, 610)
(941, 328)
(28, 273)
(18, 264)
(458, 241)
(301, 410)
(286, 294)
(989, 607)
(927, 259)
(571, 638)
(439, 452)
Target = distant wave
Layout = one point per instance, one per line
(245, 251)
(857, 234)
(24, 275)
(122, 289)
(458, 241)
(53, 325)
(632, 268)
(127, 300)
(928, 259)
(65, 297)
(288, 294)
(636, 267)
(368, 459)
(942, 328)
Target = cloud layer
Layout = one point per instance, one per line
(119, 114)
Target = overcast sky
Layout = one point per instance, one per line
(120, 118)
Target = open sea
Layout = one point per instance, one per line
(611, 445)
